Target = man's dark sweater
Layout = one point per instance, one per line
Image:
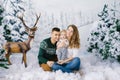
(47, 51)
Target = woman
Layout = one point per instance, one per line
(72, 62)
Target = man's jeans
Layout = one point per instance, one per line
(74, 64)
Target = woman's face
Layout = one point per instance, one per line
(69, 32)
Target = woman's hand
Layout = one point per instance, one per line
(65, 61)
(60, 62)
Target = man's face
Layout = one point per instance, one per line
(55, 36)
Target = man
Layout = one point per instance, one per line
(47, 52)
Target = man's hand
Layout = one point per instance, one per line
(50, 63)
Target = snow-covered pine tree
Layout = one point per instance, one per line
(14, 8)
(3, 61)
(104, 39)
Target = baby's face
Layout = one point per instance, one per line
(63, 35)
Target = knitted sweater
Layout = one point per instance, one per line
(47, 51)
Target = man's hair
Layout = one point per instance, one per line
(56, 29)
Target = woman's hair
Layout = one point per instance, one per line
(74, 41)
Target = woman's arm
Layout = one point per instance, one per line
(68, 59)
(65, 61)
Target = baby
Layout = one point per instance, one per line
(62, 51)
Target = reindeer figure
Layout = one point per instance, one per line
(21, 47)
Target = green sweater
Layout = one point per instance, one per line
(47, 51)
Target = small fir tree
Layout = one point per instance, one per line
(3, 61)
(104, 40)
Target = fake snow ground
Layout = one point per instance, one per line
(92, 68)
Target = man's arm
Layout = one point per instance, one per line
(42, 51)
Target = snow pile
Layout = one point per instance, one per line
(92, 68)
(96, 69)
(17, 71)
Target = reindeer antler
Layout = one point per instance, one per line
(21, 18)
(37, 19)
